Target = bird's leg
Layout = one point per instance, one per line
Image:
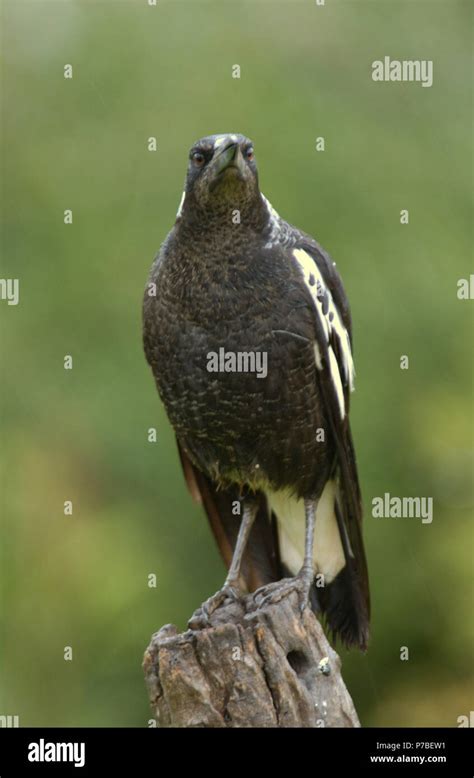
(306, 574)
(250, 512)
(231, 587)
(302, 582)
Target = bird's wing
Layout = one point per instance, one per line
(261, 561)
(345, 600)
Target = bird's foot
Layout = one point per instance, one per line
(201, 617)
(275, 592)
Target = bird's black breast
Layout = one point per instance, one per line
(256, 427)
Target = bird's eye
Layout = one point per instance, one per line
(198, 158)
(250, 153)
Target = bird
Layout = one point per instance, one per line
(247, 330)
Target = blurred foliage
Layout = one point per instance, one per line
(81, 435)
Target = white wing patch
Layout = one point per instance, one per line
(336, 377)
(331, 324)
(317, 357)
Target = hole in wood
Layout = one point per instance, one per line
(297, 661)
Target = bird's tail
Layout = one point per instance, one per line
(276, 546)
(340, 592)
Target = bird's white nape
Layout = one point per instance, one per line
(181, 203)
(275, 223)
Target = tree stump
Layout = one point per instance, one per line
(251, 666)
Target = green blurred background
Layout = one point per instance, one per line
(81, 435)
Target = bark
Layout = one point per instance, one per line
(251, 666)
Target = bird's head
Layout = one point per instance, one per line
(222, 172)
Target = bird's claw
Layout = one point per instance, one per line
(273, 594)
(202, 616)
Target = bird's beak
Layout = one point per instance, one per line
(229, 156)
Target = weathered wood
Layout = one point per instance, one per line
(251, 666)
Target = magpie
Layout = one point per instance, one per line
(269, 453)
